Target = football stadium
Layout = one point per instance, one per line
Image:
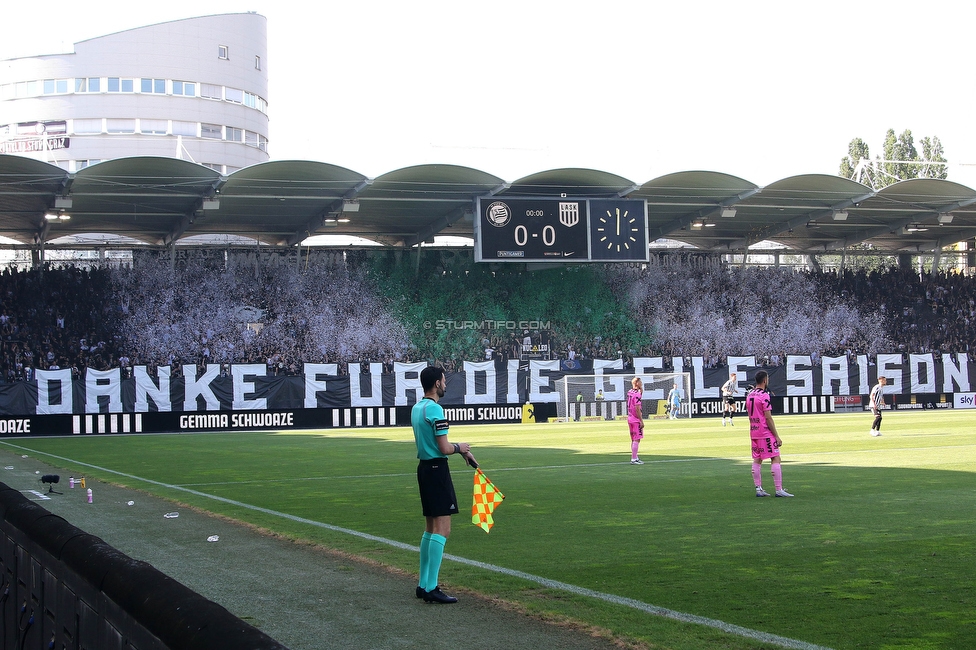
(211, 375)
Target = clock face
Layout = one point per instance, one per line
(618, 230)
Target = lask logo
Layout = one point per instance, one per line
(569, 214)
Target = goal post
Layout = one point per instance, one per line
(604, 397)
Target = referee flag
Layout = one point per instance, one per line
(486, 497)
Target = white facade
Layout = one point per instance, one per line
(195, 89)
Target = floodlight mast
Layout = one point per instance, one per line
(863, 165)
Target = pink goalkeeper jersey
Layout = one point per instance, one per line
(757, 405)
(635, 412)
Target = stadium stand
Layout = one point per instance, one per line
(374, 308)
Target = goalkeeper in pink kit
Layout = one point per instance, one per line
(635, 418)
(765, 440)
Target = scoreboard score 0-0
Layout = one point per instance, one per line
(561, 229)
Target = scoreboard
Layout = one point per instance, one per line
(539, 229)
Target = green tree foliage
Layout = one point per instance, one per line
(900, 160)
(857, 151)
(932, 152)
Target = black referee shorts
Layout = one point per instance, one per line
(437, 495)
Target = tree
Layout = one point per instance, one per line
(900, 162)
(932, 152)
(858, 154)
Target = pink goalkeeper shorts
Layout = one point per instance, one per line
(763, 448)
(636, 430)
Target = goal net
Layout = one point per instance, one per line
(604, 397)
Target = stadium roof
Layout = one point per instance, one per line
(159, 201)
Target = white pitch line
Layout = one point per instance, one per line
(729, 628)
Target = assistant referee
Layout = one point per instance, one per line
(434, 478)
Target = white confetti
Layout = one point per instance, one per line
(213, 538)
(9, 467)
(171, 515)
(132, 503)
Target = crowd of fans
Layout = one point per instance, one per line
(281, 316)
(716, 312)
(55, 319)
(382, 310)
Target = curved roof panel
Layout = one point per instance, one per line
(278, 202)
(680, 205)
(27, 190)
(410, 205)
(574, 182)
(162, 200)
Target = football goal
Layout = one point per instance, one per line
(604, 397)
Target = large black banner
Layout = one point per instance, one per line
(245, 397)
(248, 387)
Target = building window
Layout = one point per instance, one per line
(27, 89)
(256, 140)
(214, 166)
(55, 86)
(223, 52)
(157, 86)
(153, 127)
(89, 125)
(212, 131)
(234, 134)
(94, 84)
(234, 95)
(81, 85)
(185, 88)
(115, 125)
(211, 91)
(118, 85)
(81, 164)
(257, 62)
(253, 101)
(185, 128)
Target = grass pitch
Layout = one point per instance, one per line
(875, 551)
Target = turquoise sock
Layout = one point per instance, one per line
(436, 554)
(424, 559)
